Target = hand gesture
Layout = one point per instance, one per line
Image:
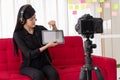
(52, 44)
(52, 24)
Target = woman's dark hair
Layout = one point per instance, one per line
(25, 12)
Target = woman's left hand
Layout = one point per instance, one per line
(52, 24)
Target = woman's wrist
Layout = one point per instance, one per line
(43, 48)
(54, 27)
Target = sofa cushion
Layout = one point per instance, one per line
(69, 53)
(3, 58)
(7, 56)
(12, 75)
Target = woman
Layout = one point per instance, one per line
(27, 37)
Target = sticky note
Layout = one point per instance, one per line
(82, 6)
(99, 9)
(94, 0)
(70, 7)
(82, 1)
(70, 1)
(76, 1)
(107, 5)
(101, 1)
(76, 7)
(114, 13)
(115, 6)
(88, 1)
(88, 5)
(74, 12)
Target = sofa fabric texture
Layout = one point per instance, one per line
(67, 58)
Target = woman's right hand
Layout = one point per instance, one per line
(52, 44)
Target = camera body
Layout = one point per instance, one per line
(88, 25)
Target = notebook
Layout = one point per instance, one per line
(52, 35)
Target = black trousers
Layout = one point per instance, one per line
(48, 72)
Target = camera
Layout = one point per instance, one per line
(88, 25)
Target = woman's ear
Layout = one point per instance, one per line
(22, 21)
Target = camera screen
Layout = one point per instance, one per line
(87, 26)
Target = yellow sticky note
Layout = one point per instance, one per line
(94, 0)
(99, 9)
(102, 1)
(115, 6)
(70, 1)
(76, 7)
(82, 6)
(88, 1)
(70, 7)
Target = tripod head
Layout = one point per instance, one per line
(88, 45)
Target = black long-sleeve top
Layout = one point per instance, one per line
(29, 45)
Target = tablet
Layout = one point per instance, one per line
(52, 35)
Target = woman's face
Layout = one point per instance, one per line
(31, 22)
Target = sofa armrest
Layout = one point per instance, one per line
(108, 63)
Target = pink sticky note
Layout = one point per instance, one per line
(74, 13)
(82, 1)
(107, 5)
(76, 1)
(114, 13)
(88, 5)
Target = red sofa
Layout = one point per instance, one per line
(67, 58)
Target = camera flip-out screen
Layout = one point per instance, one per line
(52, 35)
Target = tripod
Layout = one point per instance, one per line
(86, 71)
